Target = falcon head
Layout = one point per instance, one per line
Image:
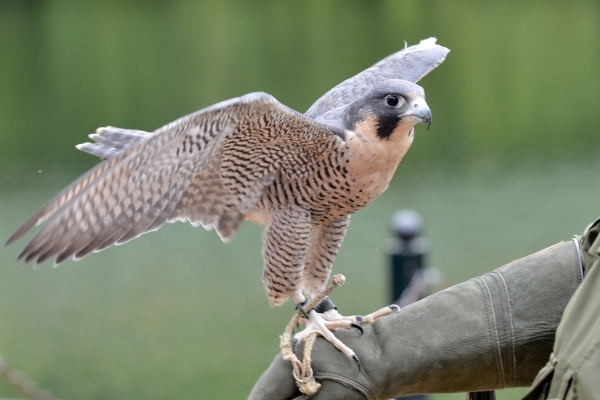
(389, 108)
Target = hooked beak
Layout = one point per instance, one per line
(419, 111)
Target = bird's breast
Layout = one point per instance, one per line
(373, 162)
(340, 182)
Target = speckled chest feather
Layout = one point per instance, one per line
(342, 180)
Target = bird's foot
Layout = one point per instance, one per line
(322, 320)
(319, 324)
(302, 371)
(330, 313)
(325, 319)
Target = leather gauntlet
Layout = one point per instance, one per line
(491, 332)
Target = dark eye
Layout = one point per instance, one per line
(392, 100)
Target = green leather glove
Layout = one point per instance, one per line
(491, 332)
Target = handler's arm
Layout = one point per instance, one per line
(491, 332)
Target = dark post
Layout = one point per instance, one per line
(407, 251)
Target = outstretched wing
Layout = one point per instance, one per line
(410, 64)
(209, 167)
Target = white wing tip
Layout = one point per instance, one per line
(424, 44)
(427, 42)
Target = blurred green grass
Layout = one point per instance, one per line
(178, 314)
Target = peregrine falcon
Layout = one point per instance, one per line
(249, 158)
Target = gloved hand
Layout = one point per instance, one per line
(491, 332)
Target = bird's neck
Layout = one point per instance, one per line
(372, 154)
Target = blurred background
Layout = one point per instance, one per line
(508, 167)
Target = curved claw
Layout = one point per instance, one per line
(300, 306)
(357, 327)
(355, 358)
(360, 319)
(394, 307)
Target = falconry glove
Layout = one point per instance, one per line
(491, 332)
